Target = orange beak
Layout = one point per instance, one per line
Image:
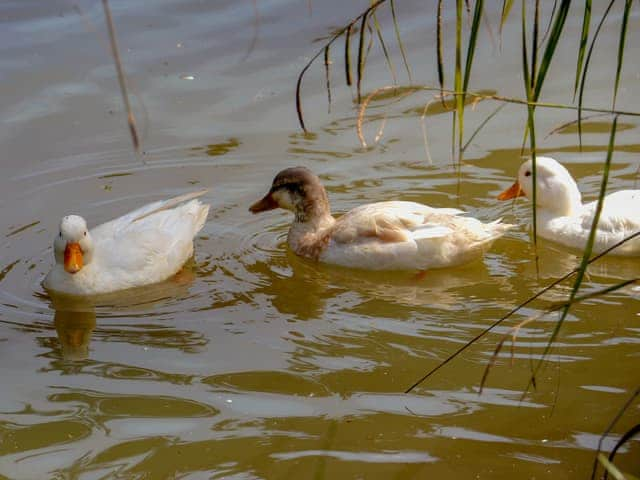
(267, 203)
(73, 258)
(513, 191)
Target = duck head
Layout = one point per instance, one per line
(296, 189)
(556, 190)
(73, 247)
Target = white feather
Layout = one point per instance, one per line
(145, 246)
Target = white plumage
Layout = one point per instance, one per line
(562, 217)
(145, 246)
(408, 236)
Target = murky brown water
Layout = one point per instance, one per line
(254, 363)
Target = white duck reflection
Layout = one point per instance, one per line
(75, 317)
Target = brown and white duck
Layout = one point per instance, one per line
(377, 236)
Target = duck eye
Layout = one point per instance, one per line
(527, 173)
(85, 234)
(60, 234)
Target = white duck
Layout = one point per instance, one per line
(145, 246)
(377, 236)
(562, 217)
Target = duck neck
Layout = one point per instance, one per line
(312, 220)
(566, 203)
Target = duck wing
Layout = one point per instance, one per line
(156, 237)
(392, 222)
(620, 213)
(117, 224)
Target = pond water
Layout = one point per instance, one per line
(253, 363)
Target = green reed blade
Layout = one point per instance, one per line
(482, 124)
(610, 427)
(586, 68)
(439, 51)
(506, 8)
(516, 309)
(385, 51)
(552, 309)
(611, 468)
(621, 43)
(530, 128)
(525, 55)
(628, 435)
(552, 43)
(582, 269)
(584, 36)
(369, 43)
(534, 43)
(346, 31)
(458, 73)
(471, 47)
(361, 55)
(551, 17)
(454, 124)
(327, 72)
(399, 40)
(347, 55)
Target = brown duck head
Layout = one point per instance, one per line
(296, 189)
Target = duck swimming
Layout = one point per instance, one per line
(378, 236)
(562, 217)
(145, 246)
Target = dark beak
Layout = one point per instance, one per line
(267, 203)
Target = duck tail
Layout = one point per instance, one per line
(155, 207)
(201, 212)
(496, 229)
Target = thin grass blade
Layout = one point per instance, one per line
(612, 424)
(385, 51)
(471, 48)
(361, 55)
(399, 40)
(621, 45)
(628, 435)
(458, 73)
(609, 467)
(506, 8)
(548, 29)
(554, 308)
(439, 51)
(347, 55)
(588, 247)
(327, 72)
(587, 62)
(482, 124)
(552, 43)
(516, 309)
(534, 43)
(584, 36)
(346, 31)
(530, 129)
